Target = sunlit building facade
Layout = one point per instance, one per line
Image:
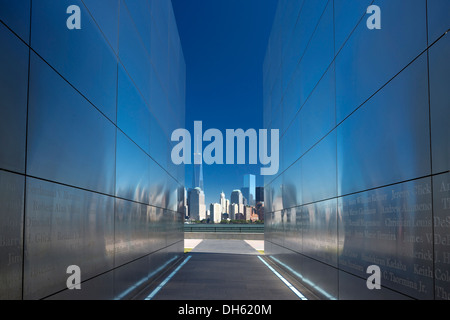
(197, 206)
(364, 150)
(249, 189)
(85, 171)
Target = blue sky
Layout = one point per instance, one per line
(224, 44)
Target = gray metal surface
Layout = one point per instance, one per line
(224, 270)
(84, 57)
(365, 151)
(65, 226)
(11, 235)
(69, 141)
(441, 207)
(439, 103)
(13, 105)
(78, 186)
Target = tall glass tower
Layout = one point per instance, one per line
(249, 189)
(197, 177)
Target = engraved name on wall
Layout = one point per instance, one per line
(392, 228)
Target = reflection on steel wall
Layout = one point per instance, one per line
(85, 117)
(365, 146)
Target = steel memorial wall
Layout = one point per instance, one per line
(90, 91)
(363, 116)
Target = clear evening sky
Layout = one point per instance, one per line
(224, 44)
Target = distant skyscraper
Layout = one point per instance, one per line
(234, 210)
(227, 209)
(197, 207)
(197, 177)
(260, 210)
(183, 200)
(259, 194)
(236, 197)
(223, 203)
(249, 189)
(248, 212)
(260, 203)
(215, 210)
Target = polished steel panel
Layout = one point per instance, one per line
(133, 54)
(319, 53)
(130, 278)
(133, 115)
(318, 168)
(290, 14)
(277, 189)
(268, 195)
(290, 144)
(159, 189)
(439, 101)
(65, 226)
(320, 232)
(159, 57)
(174, 250)
(321, 277)
(172, 194)
(347, 14)
(140, 13)
(83, 57)
(13, 104)
(304, 28)
(370, 169)
(292, 186)
(131, 231)
(159, 102)
(77, 159)
(175, 64)
(387, 140)
(438, 19)
(16, 15)
(370, 58)
(291, 105)
(277, 110)
(277, 227)
(12, 189)
(355, 288)
(69, 141)
(106, 14)
(390, 227)
(159, 143)
(172, 230)
(294, 230)
(160, 40)
(152, 230)
(132, 171)
(441, 207)
(318, 114)
(158, 228)
(267, 229)
(98, 288)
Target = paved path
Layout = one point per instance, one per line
(224, 270)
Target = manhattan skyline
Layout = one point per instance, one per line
(224, 45)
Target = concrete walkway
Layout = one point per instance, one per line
(224, 270)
